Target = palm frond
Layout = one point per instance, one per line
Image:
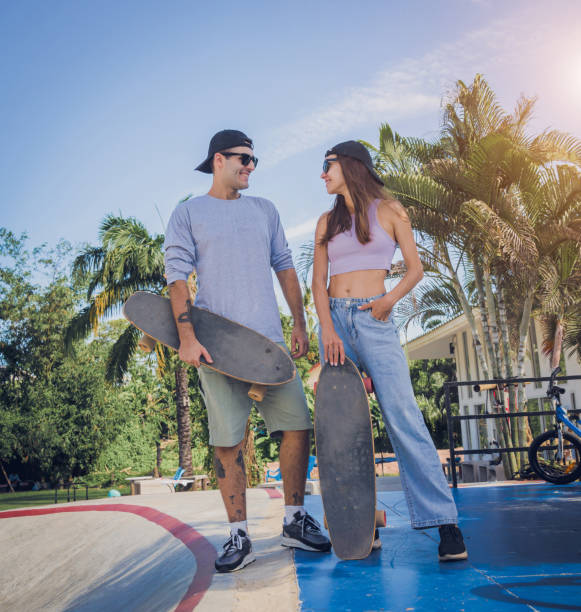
(121, 353)
(305, 259)
(79, 327)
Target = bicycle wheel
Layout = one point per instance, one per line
(543, 457)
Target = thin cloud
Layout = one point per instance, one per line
(302, 229)
(413, 88)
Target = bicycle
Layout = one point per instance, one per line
(555, 455)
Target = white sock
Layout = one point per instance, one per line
(290, 511)
(236, 525)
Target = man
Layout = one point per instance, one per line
(232, 241)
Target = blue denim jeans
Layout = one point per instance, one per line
(374, 347)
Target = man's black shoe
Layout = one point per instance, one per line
(237, 553)
(452, 546)
(304, 532)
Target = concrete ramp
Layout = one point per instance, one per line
(152, 552)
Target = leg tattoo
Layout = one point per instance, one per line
(220, 471)
(240, 462)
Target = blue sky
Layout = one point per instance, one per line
(108, 106)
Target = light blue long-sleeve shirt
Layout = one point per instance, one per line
(232, 245)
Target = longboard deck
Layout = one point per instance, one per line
(237, 351)
(345, 456)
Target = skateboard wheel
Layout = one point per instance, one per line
(380, 518)
(368, 384)
(256, 392)
(146, 343)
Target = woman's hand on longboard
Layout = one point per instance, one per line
(193, 352)
(333, 345)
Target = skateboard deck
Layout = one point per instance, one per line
(346, 460)
(237, 351)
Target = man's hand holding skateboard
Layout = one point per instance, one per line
(299, 341)
(291, 289)
(192, 352)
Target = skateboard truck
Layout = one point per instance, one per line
(380, 519)
(367, 383)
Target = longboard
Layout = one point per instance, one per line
(237, 351)
(346, 459)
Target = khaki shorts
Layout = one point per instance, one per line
(284, 407)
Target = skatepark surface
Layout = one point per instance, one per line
(156, 552)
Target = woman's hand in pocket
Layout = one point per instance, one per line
(380, 308)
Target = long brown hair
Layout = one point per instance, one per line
(363, 189)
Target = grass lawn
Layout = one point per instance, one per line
(25, 499)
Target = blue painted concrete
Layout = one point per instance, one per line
(524, 546)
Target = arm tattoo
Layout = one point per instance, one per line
(184, 317)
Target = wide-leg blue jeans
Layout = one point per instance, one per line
(374, 347)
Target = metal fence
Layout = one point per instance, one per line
(500, 384)
(74, 487)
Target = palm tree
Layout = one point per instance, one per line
(493, 198)
(128, 259)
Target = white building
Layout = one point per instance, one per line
(454, 340)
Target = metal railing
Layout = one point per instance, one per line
(74, 486)
(500, 384)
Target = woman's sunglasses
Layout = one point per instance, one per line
(327, 164)
(244, 158)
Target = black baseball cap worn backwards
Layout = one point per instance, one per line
(225, 139)
(355, 150)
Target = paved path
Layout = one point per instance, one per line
(156, 552)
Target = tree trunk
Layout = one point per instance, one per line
(484, 317)
(183, 418)
(557, 345)
(491, 309)
(467, 311)
(502, 431)
(507, 373)
(157, 468)
(8, 481)
(523, 334)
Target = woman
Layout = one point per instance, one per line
(358, 238)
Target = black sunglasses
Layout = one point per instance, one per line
(327, 164)
(244, 158)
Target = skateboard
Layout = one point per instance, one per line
(346, 460)
(237, 351)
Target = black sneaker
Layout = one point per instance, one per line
(376, 541)
(237, 553)
(304, 532)
(452, 546)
